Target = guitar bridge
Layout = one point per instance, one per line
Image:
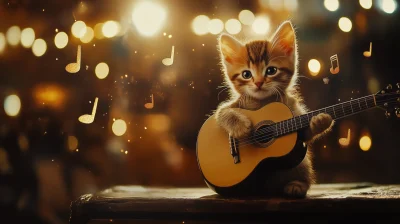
(234, 145)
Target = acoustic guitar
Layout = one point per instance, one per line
(234, 166)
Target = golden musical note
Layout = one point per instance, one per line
(150, 105)
(345, 141)
(334, 70)
(368, 53)
(75, 66)
(169, 61)
(89, 118)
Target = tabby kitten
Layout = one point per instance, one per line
(260, 72)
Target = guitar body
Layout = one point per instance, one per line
(247, 176)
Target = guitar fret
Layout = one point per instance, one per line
(351, 107)
(359, 104)
(344, 113)
(366, 103)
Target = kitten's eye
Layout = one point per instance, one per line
(246, 74)
(271, 71)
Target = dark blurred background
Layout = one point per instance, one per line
(49, 158)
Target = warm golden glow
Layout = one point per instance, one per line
(314, 66)
(98, 31)
(365, 143)
(246, 17)
(88, 35)
(119, 127)
(13, 35)
(110, 29)
(61, 40)
(233, 26)
(200, 25)
(366, 4)
(72, 143)
(331, 5)
(2, 42)
(39, 47)
(158, 122)
(78, 29)
(275, 4)
(345, 24)
(27, 37)
(215, 26)
(148, 17)
(388, 6)
(12, 105)
(49, 95)
(291, 5)
(261, 25)
(102, 70)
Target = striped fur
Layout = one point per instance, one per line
(256, 56)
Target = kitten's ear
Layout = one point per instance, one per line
(285, 37)
(230, 48)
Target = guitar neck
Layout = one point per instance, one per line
(336, 111)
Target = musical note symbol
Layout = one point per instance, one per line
(75, 66)
(345, 141)
(89, 118)
(368, 53)
(326, 80)
(150, 105)
(334, 70)
(169, 61)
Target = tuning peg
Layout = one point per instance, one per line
(387, 114)
(398, 85)
(389, 86)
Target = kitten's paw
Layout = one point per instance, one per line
(241, 127)
(320, 123)
(296, 189)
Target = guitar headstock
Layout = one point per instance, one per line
(389, 100)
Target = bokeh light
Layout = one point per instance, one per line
(365, 143)
(72, 142)
(331, 5)
(233, 26)
(366, 4)
(2, 42)
(200, 25)
(119, 127)
(102, 70)
(13, 35)
(314, 66)
(345, 24)
(215, 26)
(89, 35)
(388, 6)
(246, 17)
(98, 31)
(148, 18)
(27, 37)
(12, 105)
(39, 47)
(78, 29)
(291, 5)
(275, 4)
(61, 40)
(261, 25)
(110, 29)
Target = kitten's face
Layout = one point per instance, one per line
(260, 69)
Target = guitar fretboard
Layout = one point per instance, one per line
(336, 111)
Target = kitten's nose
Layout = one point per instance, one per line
(259, 84)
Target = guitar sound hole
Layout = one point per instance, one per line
(264, 134)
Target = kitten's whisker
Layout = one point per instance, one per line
(302, 76)
(276, 58)
(226, 88)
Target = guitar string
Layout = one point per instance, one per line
(315, 111)
(260, 133)
(257, 137)
(261, 136)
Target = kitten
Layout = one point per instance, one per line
(260, 72)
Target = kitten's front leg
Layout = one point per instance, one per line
(320, 125)
(235, 123)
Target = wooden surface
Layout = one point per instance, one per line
(201, 205)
